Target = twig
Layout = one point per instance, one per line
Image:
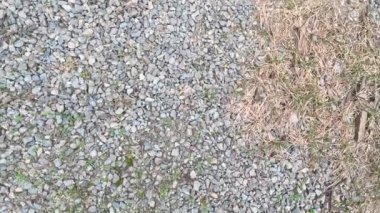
(329, 188)
(377, 96)
(362, 124)
(328, 192)
(362, 121)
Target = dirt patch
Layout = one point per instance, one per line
(317, 85)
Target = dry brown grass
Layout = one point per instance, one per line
(317, 85)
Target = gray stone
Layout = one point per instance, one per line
(68, 183)
(196, 185)
(57, 163)
(66, 7)
(19, 43)
(92, 209)
(175, 152)
(3, 161)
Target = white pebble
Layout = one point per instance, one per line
(71, 45)
(214, 195)
(196, 185)
(91, 60)
(88, 32)
(119, 111)
(193, 175)
(93, 153)
(175, 152)
(18, 189)
(60, 107)
(252, 173)
(66, 7)
(36, 90)
(149, 99)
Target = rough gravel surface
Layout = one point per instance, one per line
(123, 106)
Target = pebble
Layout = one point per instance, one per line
(288, 166)
(252, 173)
(19, 43)
(36, 90)
(71, 45)
(57, 163)
(214, 161)
(193, 175)
(91, 60)
(2, 13)
(196, 185)
(214, 195)
(69, 183)
(221, 146)
(318, 192)
(66, 7)
(3, 161)
(88, 32)
(149, 99)
(119, 111)
(93, 153)
(175, 152)
(18, 190)
(92, 209)
(60, 107)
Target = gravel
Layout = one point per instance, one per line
(124, 105)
